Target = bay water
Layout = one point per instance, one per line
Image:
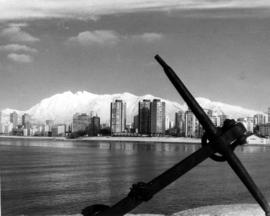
(52, 177)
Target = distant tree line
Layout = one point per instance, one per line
(102, 132)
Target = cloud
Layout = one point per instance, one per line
(148, 37)
(14, 33)
(108, 37)
(21, 58)
(100, 37)
(17, 48)
(85, 9)
(18, 24)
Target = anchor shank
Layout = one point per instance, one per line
(128, 203)
(242, 173)
(204, 120)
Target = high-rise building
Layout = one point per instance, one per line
(190, 124)
(222, 118)
(144, 117)
(157, 109)
(94, 127)
(216, 120)
(250, 124)
(193, 128)
(136, 123)
(264, 130)
(268, 114)
(209, 112)
(14, 119)
(26, 121)
(179, 124)
(167, 122)
(49, 124)
(80, 122)
(118, 117)
(259, 119)
(4, 118)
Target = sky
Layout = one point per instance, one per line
(220, 49)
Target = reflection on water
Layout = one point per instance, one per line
(155, 147)
(38, 143)
(253, 149)
(61, 177)
(124, 146)
(170, 147)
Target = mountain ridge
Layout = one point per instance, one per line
(61, 106)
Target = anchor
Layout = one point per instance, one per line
(217, 143)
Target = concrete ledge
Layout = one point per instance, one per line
(217, 210)
(224, 210)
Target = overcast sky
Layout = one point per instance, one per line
(220, 49)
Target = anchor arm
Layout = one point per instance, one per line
(242, 173)
(134, 198)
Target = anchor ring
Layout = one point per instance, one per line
(216, 156)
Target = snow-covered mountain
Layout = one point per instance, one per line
(61, 107)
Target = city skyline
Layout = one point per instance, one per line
(220, 50)
(150, 120)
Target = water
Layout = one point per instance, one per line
(61, 178)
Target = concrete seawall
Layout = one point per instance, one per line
(217, 210)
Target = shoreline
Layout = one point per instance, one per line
(172, 140)
(144, 139)
(111, 139)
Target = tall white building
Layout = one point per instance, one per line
(250, 124)
(118, 117)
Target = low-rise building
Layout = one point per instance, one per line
(264, 130)
(255, 140)
(80, 122)
(59, 130)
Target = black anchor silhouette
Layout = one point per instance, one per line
(217, 143)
